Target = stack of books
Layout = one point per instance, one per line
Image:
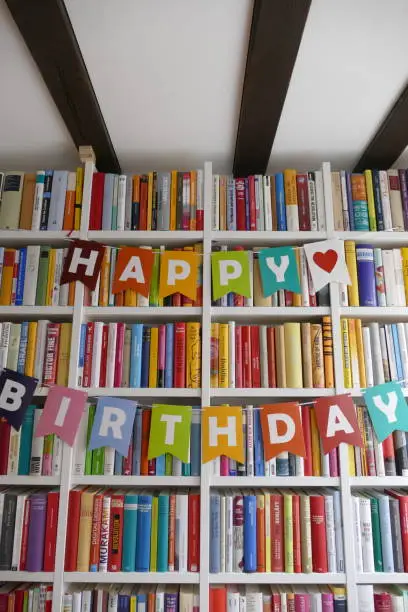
(34, 597)
(315, 463)
(106, 461)
(103, 296)
(31, 277)
(28, 530)
(285, 201)
(374, 353)
(46, 200)
(308, 296)
(380, 534)
(380, 598)
(153, 201)
(133, 532)
(23, 454)
(291, 355)
(276, 531)
(379, 276)
(37, 348)
(140, 355)
(251, 597)
(129, 598)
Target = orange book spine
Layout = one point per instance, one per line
(172, 533)
(70, 197)
(96, 533)
(328, 352)
(7, 277)
(71, 294)
(104, 274)
(144, 463)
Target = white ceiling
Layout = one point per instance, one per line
(168, 76)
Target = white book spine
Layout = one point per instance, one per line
(37, 447)
(330, 534)
(321, 213)
(338, 530)
(177, 467)
(57, 449)
(128, 202)
(77, 601)
(222, 532)
(304, 283)
(379, 458)
(4, 343)
(38, 200)
(40, 350)
(200, 195)
(110, 366)
(95, 294)
(376, 353)
(181, 532)
(232, 601)
(14, 452)
(59, 258)
(397, 602)
(311, 187)
(343, 294)
(272, 466)
(242, 602)
(96, 353)
(231, 354)
(292, 218)
(357, 535)
(159, 602)
(366, 534)
(263, 347)
(344, 201)
(80, 445)
(324, 462)
(390, 350)
(300, 466)
(250, 441)
(379, 270)
(31, 275)
(399, 277)
(385, 200)
(215, 208)
(121, 202)
(384, 353)
(389, 277)
(403, 352)
(267, 202)
(229, 545)
(365, 594)
(18, 532)
(14, 344)
(109, 461)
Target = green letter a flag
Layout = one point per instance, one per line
(170, 431)
(278, 270)
(230, 272)
(387, 408)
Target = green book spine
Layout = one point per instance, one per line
(98, 461)
(41, 293)
(375, 525)
(185, 469)
(154, 283)
(169, 465)
(288, 532)
(88, 455)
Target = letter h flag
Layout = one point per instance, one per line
(83, 263)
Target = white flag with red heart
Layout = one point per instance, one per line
(327, 263)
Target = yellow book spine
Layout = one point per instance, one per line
(360, 353)
(193, 200)
(153, 538)
(78, 197)
(149, 200)
(353, 353)
(104, 275)
(268, 558)
(292, 215)
(315, 439)
(348, 377)
(133, 603)
(215, 339)
(223, 357)
(293, 355)
(316, 333)
(297, 297)
(372, 220)
(30, 355)
(48, 445)
(50, 276)
(130, 297)
(154, 352)
(351, 261)
(63, 354)
(7, 279)
(288, 532)
(84, 534)
(173, 200)
(404, 254)
(193, 355)
(328, 353)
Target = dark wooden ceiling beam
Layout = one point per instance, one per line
(390, 140)
(276, 31)
(49, 35)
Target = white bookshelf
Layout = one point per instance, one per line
(208, 396)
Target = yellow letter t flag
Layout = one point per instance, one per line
(222, 433)
(178, 273)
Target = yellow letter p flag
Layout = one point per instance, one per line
(222, 433)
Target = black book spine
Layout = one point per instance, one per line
(7, 531)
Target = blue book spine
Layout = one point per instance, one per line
(292, 464)
(350, 201)
(161, 465)
(185, 469)
(144, 525)
(163, 533)
(250, 560)
(247, 221)
(366, 275)
(21, 276)
(142, 602)
(136, 355)
(145, 357)
(377, 200)
(397, 352)
(280, 203)
(259, 463)
(195, 444)
(215, 533)
(26, 441)
(168, 372)
(232, 464)
(282, 464)
(129, 533)
(81, 355)
(107, 202)
(117, 468)
(22, 350)
(137, 442)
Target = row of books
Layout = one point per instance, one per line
(293, 355)
(285, 201)
(106, 461)
(382, 598)
(140, 355)
(45, 200)
(253, 598)
(129, 598)
(28, 522)
(31, 277)
(37, 348)
(380, 530)
(379, 277)
(279, 531)
(144, 532)
(374, 353)
(15, 597)
(153, 201)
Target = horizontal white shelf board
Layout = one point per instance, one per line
(276, 578)
(129, 313)
(36, 481)
(374, 238)
(133, 392)
(252, 313)
(132, 577)
(34, 312)
(26, 576)
(375, 313)
(274, 481)
(138, 481)
(378, 481)
(153, 238)
(264, 238)
(382, 578)
(22, 237)
(271, 393)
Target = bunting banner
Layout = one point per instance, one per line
(230, 272)
(133, 270)
(16, 392)
(279, 270)
(113, 424)
(221, 428)
(387, 408)
(83, 263)
(62, 413)
(178, 273)
(327, 263)
(282, 430)
(337, 422)
(170, 431)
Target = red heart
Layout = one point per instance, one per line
(326, 260)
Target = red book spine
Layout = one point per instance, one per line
(143, 203)
(307, 434)
(297, 551)
(382, 602)
(403, 511)
(389, 453)
(4, 445)
(193, 553)
(90, 328)
(15, 275)
(96, 533)
(104, 353)
(276, 603)
(71, 550)
(51, 353)
(246, 357)
(116, 533)
(238, 357)
(255, 357)
(151, 467)
(180, 355)
(312, 292)
(50, 541)
(144, 464)
(19, 600)
(218, 599)
(240, 202)
(24, 535)
(120, 342)
(95, 215)
(319, 542)
(288, 298)
(270, 343)
(128, 460)
(277, 539)
(252, 203)
(303, 201)
(48, 599)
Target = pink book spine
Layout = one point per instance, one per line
(334, 462)
(151, 467)
(46, 469)
(127, 461)
(302, 602)
(224, 466)
(327, 602)
(120, 341)
(238, 357)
